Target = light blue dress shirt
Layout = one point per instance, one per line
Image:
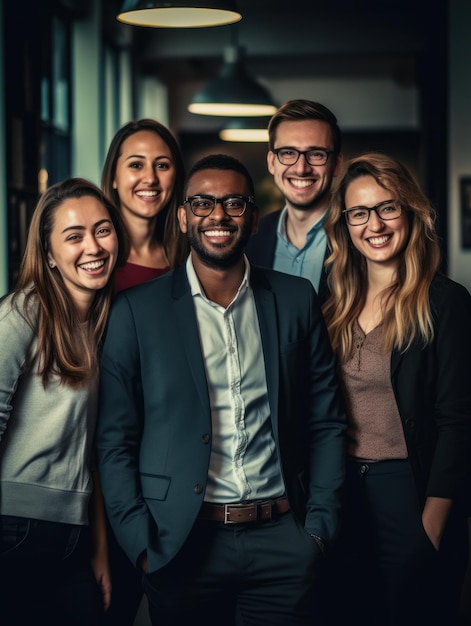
(307, 262)
(244, 462)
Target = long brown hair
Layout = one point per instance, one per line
(167, 227)
(406, 308)
(65, 347)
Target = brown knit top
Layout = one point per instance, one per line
(375, 429)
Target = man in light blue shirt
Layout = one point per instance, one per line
(304, 157)
(221, 435)
(306, 261)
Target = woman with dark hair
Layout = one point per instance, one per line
(402, 334)
(53, 549)
(144, 174)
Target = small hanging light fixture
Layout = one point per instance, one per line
(246, 129)
(233, 92)
(179, 13)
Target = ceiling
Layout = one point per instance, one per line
(294, 39)
(289, 43)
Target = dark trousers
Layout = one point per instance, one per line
(264, 571)
(46, 576)
(126, 593)
(383, 569)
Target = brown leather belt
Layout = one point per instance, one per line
(244, 512)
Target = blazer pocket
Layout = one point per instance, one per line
(154, 487)
(292, 346)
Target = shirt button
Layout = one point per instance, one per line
(206, 438)
(198, 489)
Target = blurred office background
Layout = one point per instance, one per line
(395, 72)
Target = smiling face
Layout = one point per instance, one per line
(145, 175)
(305, 187)
(217, 241)
(83, 247)
(379, 241)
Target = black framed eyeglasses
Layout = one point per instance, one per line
(233, 205)
(314, 156)
(386, 211)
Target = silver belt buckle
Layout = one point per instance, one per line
(227, 512)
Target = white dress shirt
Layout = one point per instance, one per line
(244, 462)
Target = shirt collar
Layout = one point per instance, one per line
(197, 289)
(281, 230)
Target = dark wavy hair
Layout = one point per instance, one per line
(167, 228)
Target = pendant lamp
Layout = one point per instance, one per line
(246, 129)
(179, 13)
(233, 92)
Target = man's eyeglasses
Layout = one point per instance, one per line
(233, 206)
(359, 215)
(290, 156)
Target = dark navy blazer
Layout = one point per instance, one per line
(154, 425)
(432, 386)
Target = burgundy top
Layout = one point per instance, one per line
(131, 274)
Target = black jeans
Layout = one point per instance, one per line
(383, 567)
(127, 590)
(45, 574)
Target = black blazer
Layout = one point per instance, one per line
(154, 424)
(432, 386)
(260, 249)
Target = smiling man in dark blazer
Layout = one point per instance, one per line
(221, 433)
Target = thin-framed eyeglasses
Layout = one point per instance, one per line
(386, 211)
(233, 205)
(314, 156)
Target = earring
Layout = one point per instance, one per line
(51, 265)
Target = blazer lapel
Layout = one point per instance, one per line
(267, 319)
(396, 358)
(185, 318)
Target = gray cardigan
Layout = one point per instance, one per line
(46, 434)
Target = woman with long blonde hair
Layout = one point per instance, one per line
(402, 334)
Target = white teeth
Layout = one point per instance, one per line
(93, 265)
(376, 241)
(301, 184)
(217, 233)
(147, 194)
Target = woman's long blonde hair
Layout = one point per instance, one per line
(65, 347)
(406, 308)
